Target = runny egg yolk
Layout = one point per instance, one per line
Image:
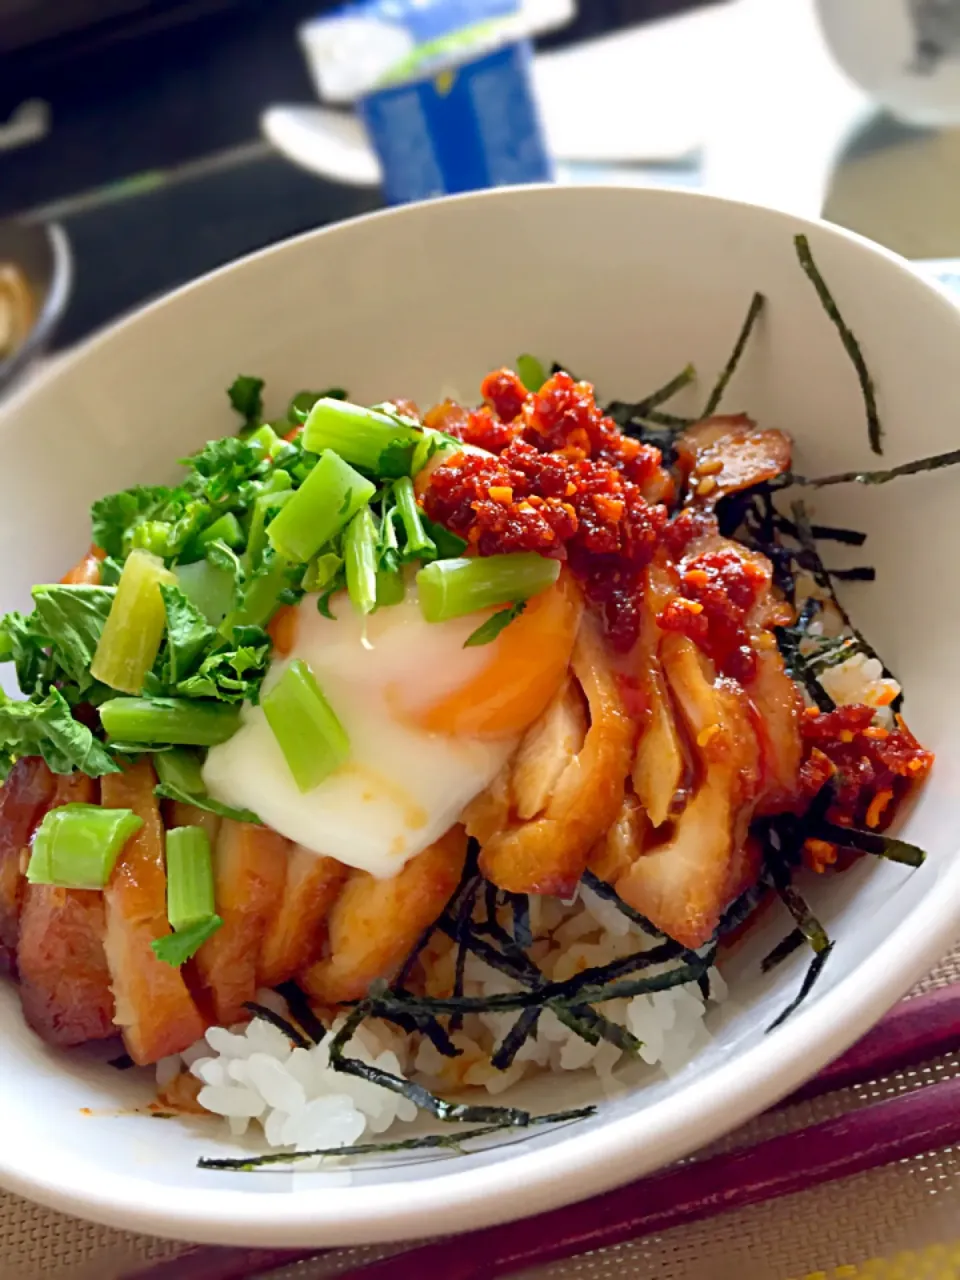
(430, 722)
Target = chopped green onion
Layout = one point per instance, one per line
(452, 588)
(152, 536)
(266, 438)
(261, 598)
(360, 561)
(77, 845)
(329, 498)
(363, 437)
(431, 444)
(312, 739)
(321, 571)
(298, 410)
(131, 636)
(531, 372)
(227, 529)
(176, 949)
(208, 588)
(418, 541)
(190, 898)
(184, 722)
(180, 769)
(264, 507)
(276, 482)
(391, 588)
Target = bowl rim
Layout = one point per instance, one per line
(51, 312)
(585, 1163)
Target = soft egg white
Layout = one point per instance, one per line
(402, 786)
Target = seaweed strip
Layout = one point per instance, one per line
(609, 894)
(122, 1063)
(812, 974)
(420, 1096)
(860, 573)
(852, 346)
(462, 919)
(823, 579)
(508, 1048)
(301, 1012)
(799, 668)
(298, 1039)
(522, 933)
(935, 462)
(784, 948)
(716, 395)
(874, 842)
(743, 907)
(428, 1142)
(618, 409)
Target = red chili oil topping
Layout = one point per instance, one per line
(870, 766)
(562, 480)
(719, 590)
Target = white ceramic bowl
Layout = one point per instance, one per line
(625, 286)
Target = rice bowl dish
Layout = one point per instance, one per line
(415, 886)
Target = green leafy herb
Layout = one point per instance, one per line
(531, 372)
(188, 635)
(488, 631)
(246, 397)
(234, 671)
(175, 949)
(852, 346)
(71, 620)
(47, 728)
(716, 395)
(200, 800)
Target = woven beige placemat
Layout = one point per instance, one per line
(907, 1215)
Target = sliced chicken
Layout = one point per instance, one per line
(250, 868)
(64, 977)
(549, 854)
(375, 924)
(614, 855)
(682, 884)
(154, 1009)
(297, 931)
(660, 766)
(727, 453)
(24, 798)
(546, 749)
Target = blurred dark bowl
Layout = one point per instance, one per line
(42, 254)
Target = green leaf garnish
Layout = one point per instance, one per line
(175, 949)
(488, 631)
(246, 397)
(47, 728)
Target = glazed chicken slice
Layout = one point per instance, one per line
(65, 986)
(660, 766)
(297, 931)
(249, 869)
(725, 454)
(548, 853)
(154, 1009)
(24, 798)
(681, 885)
(375, 924)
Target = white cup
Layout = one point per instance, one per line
(904, 53)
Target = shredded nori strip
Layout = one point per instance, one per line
(874, 842)
(301, 1012)
(520, 907)
(609, 894)
(935, 462)
(641, 409)
(716, 395)
(524, 1027)
(297, 1038)
(462, 918)
(852, 346)
(860, 573)
(123, 1063)
(784, 948)
(743, 907)
(812, 974)
(428, 1142)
